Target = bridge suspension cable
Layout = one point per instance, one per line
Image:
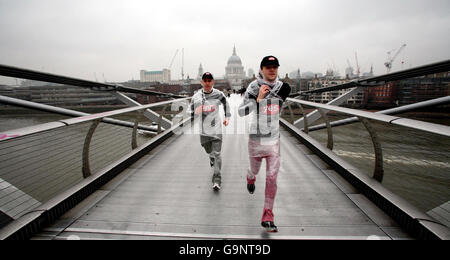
(15, 72)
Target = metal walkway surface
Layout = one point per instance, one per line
(167, 194)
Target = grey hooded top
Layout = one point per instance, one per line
(207, 105)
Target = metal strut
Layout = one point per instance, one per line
(329, 130)
(134, 136)
(86, 147)
(378, 171)
(305, 120)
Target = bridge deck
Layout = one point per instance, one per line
(167, 195)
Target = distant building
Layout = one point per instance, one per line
(234, 71)
(250, 73)
(349, 73)
(423, 88)
(368, 74)
(311, 75)
(408, 91)
(295, 74)
(326, 97)
(63, 96)
(180, 88)
(296, 81)
(381, 96)
(200, 72)
(155, 76)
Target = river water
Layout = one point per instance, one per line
(416, 164)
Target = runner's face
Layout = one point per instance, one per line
(270, 72)
(207, 84)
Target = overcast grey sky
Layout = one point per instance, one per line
(118, 38)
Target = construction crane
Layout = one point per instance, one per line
(171, 63)
(182, 64)
(349, 70)
(358, 69)
(390, 59)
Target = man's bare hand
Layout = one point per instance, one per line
(226, 121)
(263, 91)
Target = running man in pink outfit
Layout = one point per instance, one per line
(263, 100)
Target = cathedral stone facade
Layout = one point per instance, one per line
(234, 71)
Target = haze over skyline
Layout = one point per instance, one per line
(117, 39)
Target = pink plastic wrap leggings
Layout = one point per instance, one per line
(271, 153)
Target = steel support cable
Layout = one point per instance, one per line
(116, 147)
(16, 72)
(55, 184)
(61, 178)
(146, 92)
(36, 161)
(100, 157)
(63, 111)
(21, 214)
(16, 214)
(54, 155)
(120, 138)
(79, 120)
(70, 167)
(63, 159)
(113, 136)
(49, 139)
(51, 188)
(54, 191)
(35, 153)
(59, 155)
(96, 145)
(105, 135)
(71, 170)
(99, 161)
(392, 111)
(17, 144)
(409, 123)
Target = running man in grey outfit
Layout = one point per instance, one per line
(206, 102)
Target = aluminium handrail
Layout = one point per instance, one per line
(410, 123)
(392, 111)
(65, 112)
(11, 134)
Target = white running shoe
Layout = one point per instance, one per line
(216, 187)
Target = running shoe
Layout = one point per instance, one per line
(251, 185)
(267, 221)
(269, 226)
(216, 187)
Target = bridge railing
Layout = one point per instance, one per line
(407, 156)
(40, 163)
(364, 117)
